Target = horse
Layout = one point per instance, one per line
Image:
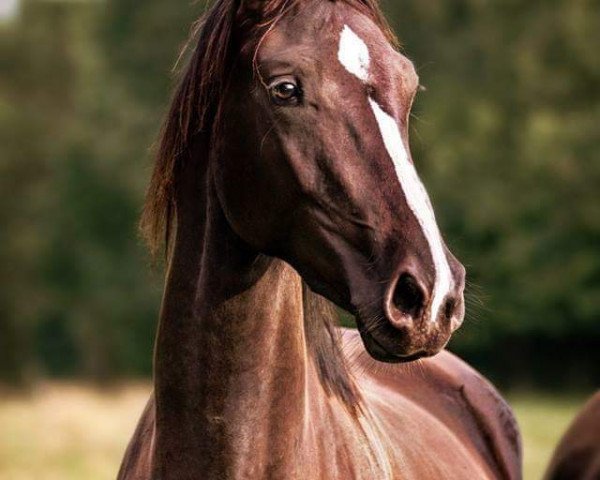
(577, 456)
(284, 185)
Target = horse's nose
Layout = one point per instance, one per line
(409, 301)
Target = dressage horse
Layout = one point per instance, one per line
(284, 182)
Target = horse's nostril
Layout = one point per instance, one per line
(408, 296)
(449, 308)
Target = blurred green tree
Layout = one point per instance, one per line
(506, 137)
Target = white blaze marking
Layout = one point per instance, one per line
(354, 56)
(418, 201)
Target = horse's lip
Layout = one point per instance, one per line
(379, 352)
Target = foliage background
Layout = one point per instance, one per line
(506, 138)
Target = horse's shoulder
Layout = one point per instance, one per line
(455, 387)
(492, 414)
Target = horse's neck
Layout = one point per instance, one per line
(230, 367)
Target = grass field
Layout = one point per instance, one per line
(73, 432)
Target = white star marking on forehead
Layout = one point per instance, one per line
(354, 55)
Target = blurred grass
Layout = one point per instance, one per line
(67, 432)
(74, 432)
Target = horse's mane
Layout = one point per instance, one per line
(194, 108)
(324, 343)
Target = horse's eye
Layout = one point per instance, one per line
(285, 93)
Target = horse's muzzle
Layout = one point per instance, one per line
(409, 329)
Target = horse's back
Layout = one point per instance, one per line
(577, 456)
(447, 403)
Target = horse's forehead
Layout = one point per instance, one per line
(357, 41)
(311, 40)
(316, 30)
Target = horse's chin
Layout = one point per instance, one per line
(388, 344)
(382, 354)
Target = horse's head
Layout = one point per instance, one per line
(314, 167)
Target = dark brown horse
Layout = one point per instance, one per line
(284, 170)
(577, 456)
